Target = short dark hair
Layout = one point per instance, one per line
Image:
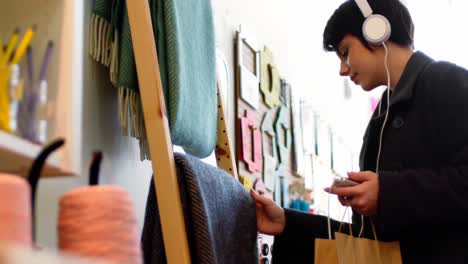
(348, 19)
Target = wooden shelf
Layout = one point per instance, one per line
(17, 155)
(63, 23)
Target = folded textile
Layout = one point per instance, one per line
(219, 214)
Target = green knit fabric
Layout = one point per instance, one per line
(191, 73)
(160, 36)
(117, 11)
(102, 8)
(184, 34)
(127, 69)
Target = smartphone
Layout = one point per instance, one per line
(343, 182)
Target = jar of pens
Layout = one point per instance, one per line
(23, 105)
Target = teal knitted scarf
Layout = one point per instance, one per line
(184, 34)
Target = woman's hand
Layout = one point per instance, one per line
(270, 217)
(362, 197)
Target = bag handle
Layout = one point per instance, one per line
(372, 225)
(341, 223)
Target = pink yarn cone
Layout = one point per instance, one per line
(99, 222)
(15, 210)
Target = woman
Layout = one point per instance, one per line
(418, 195)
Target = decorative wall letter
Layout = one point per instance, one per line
(282, 187)
(269, 150)
(270, 81)
(283, 134)
(246, 181)
(259, 186)
(251, 143)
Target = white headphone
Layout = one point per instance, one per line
(376, 28)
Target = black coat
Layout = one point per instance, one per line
(423, 178)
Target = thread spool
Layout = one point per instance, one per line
(15, 210)
(99, 222)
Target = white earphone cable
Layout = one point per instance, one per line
(383, 126)
(388, 108)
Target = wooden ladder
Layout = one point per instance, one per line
(159, 139)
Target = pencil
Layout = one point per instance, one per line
(23, 45)
(11, 45)
(1, 48)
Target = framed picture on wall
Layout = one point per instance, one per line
(285, 93)
(324, 143)
(309, 171)
(248, 69)
(341, 157)
(298, 149)
(308, 125)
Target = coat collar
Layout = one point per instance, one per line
(413, 69)
(403, 91)
(405, 87)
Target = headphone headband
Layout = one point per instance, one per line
(364, 7)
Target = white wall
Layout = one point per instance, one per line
(439, 29)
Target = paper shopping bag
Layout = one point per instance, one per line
(325, 251)
(352, 250)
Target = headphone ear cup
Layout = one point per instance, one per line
(376, 29)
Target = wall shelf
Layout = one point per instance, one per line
(17, 155)
(62, 23)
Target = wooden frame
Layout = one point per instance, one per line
(248, 77)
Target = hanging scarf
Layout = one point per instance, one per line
(184, 32)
